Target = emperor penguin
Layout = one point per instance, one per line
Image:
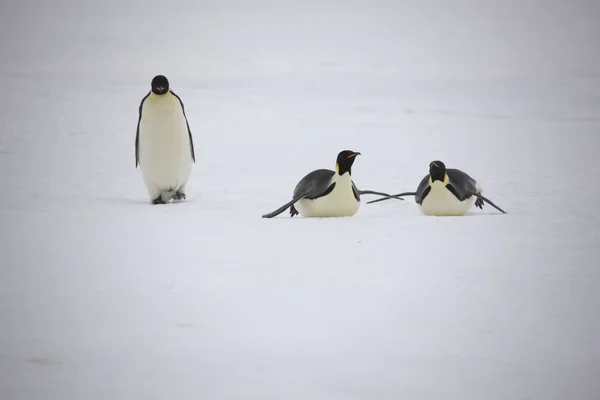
(164, 148)
(446, 192)
(327, 193)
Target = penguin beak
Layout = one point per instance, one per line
(354, 155)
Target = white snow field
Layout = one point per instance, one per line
(106, 297)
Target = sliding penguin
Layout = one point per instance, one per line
(327, 193)
(447, 192)
(164, 148)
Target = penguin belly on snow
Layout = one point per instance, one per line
(164, 144)
(341, 201)
(440, 201)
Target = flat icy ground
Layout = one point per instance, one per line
(103, 296)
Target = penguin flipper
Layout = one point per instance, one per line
(137, 148)
(137, 132)
(393, 196)
(193, 153)
(285, 207)
(309, 194)
(385, 195)
(422, 191)
(481, 200)
(315, 195)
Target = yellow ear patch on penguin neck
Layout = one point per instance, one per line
(337, 167)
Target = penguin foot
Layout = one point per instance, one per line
(158, 200)
(479, 203)
(179, 196)
(293, 211)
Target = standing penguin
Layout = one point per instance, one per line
(327, 193)
(164, 148)
(446, 192)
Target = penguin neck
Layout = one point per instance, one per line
(341, 170)
(159, 96)
(439, 178)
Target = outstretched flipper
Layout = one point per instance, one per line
(285, 207)
(393, 196)
(481, 199)
(309, 193)
(385, 195)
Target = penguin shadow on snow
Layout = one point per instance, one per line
(136, 201)
(447, 192)
(164, 147)
(327, 193)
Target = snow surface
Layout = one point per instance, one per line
(103, 296)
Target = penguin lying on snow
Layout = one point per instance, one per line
(327, 193)
(164, 148)
(446, 192)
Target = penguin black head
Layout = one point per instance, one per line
(160, 84)
(344, 162)
(437, 171)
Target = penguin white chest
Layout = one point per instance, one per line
(340, 202)
(441, 202)
(164, 145)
